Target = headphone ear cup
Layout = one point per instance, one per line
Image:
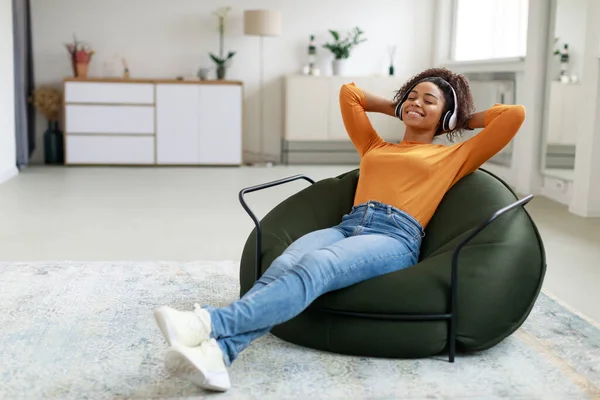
(452, 121)
(454, 114)
(445, 120)
(398, 111)
(402, 101)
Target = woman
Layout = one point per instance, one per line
(399, 188)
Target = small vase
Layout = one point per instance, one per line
(53, 144)
(203, 73)
(82, 70)
(221, 69)
(391, 70)
(339, 66)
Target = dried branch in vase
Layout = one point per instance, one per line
(80, 55)
(48, 100)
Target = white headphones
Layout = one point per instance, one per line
(448, 120)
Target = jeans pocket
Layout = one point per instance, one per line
(410, 230)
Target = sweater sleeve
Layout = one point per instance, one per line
(501, 124)
(357, 123)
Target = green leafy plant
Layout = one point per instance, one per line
(341, 47)
(222, 60)
(556, 49)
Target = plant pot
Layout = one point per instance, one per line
(81, 70)
(74, 66)
(53, 144)
(339, 66)
(221, 70)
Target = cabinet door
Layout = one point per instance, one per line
(220, 124)
(306, 108)
(178, 124)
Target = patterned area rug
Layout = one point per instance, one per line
(85, 330)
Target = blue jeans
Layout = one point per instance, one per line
(372, 240)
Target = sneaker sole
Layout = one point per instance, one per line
(181, 363)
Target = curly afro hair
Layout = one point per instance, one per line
(463, 96)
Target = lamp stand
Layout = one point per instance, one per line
(261, 108)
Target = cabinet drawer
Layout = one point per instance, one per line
(109, 119)
(109, 93)
(109, 150)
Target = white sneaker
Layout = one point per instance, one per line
(203, 365)
(186, 328)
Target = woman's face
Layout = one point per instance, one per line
(424, 106)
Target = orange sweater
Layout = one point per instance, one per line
(414, 176)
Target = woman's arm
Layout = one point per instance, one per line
(477, 120)
(500, 124)
(353, 105)
(380, 104)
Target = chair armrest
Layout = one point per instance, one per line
(253, 216)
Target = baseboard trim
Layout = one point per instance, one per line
(322, 158)
(585, 213)
(251, 157)
(8, 174)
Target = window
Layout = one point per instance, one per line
(489, 29)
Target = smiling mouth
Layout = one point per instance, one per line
(416, 114)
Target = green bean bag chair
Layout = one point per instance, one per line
(500, 273)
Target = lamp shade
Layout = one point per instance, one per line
(262, 22)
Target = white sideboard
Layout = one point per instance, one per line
(152, 122)
(314, 131)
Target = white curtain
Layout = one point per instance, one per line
(24, 82)
(490, 29)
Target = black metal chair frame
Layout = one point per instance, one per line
(451, 316)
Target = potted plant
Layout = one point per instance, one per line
(563, 61)
(341, 48)
(221, 60)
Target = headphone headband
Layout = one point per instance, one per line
(448, 119)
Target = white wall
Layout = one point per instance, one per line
(570, 28)
(166, 38)
(7, 94)
(586, 189)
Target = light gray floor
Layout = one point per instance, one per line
(172, 214)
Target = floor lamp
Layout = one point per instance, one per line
(262, 23)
